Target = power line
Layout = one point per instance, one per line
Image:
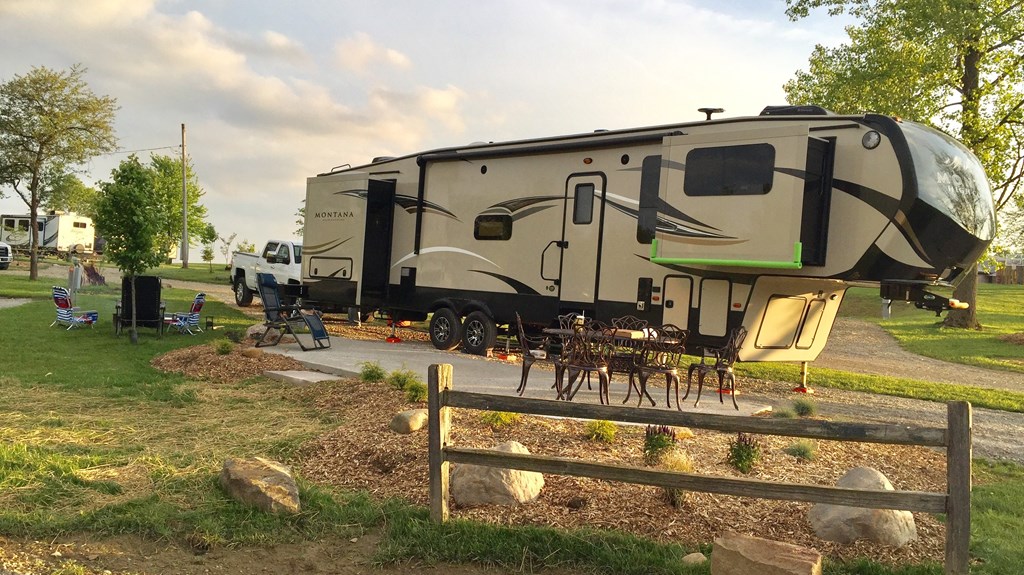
(175, 147)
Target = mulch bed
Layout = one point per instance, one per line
(362, 453)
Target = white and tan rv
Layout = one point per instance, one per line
(758, 221)
(59, 233)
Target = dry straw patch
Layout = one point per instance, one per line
(363, 453)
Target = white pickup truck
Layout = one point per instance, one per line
(281, 258)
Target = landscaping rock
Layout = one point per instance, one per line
(255, 332)
(736, 554)
(265, 484)
(409, 421)
(479, 485)
(694, 559)
(252, 352)
(847, 524)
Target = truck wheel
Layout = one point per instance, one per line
(243, 295)
(445, 329)
(479, 333)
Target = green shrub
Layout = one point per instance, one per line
(223, 346)
(658, 440)
(805, 407)
(744, 452)
(601, 430)
(498, 419)
(784, 413)
(403, 379)
(371, 371)
(679, 461)
(416, 392)
(235, 335)
(803, 449)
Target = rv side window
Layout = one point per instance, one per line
(743, 170)
(492, 227)
(583, 204)
(78, 225)
(9, 224)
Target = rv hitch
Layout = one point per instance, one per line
(922, 298)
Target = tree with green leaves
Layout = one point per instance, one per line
(301, 220)
(50, 123)
(130, 225)
(69, 194)
(167, 181)
(956, 65)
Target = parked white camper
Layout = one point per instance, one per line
(58, 233)
(759, 221)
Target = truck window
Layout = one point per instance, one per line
(742, 170)
(282, 255)
(270, 250)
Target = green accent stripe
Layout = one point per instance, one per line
(793, 265)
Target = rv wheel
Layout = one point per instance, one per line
(445, 329)
(479, 333)
(243, 296)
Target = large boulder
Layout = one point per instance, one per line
(480, 485)
(847, 524)
(409, 421)
(263, 483)
(736, 554)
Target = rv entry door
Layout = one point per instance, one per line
(581, 238)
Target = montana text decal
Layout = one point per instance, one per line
(333, 215)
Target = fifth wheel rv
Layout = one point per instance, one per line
(762, 221)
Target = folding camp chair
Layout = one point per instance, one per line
(149, 306)
(285, 318)
(68, 314)
(187, 321)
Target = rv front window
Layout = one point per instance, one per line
(951, 179)
(495, 227)
(583, 204)
(743, 170)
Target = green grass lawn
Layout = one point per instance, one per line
(93, 439)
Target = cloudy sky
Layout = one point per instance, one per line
(274, 92)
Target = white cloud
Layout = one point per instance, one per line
(359, 53)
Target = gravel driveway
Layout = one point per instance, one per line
(855, 346)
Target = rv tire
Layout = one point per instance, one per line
(243, 296)
(445, 329)
(479, 333)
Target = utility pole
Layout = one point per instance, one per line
(184, 204)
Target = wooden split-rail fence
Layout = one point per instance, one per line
(955, 438)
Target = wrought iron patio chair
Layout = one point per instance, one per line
(660, 354)
(724, 357)
(585, 353)
(625, 358)
(532, 348)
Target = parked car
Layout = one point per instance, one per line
(6, 256)
(281, 258)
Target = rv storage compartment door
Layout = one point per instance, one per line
(733, 198)
(333, 238)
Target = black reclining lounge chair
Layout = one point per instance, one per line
(285, 318)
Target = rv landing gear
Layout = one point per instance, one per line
(479, 333)
(445, 329)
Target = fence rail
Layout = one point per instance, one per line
(955, 437)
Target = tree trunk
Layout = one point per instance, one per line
(966, 291)
(33, 244)
(133, 334)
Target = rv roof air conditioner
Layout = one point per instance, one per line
(381, 159)
(795, 111)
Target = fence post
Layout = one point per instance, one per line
(958, 482)
(439, 419)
